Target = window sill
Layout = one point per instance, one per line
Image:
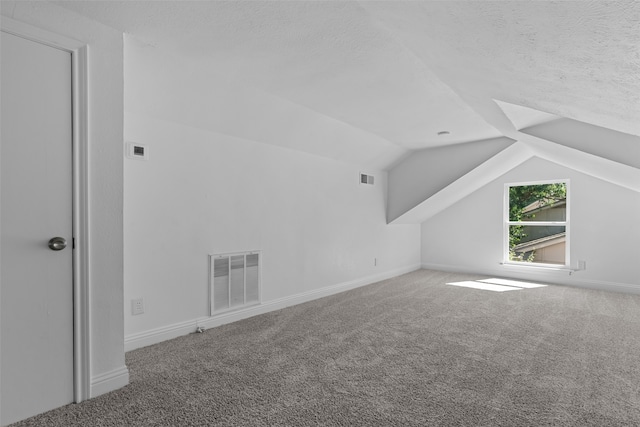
(551, 267)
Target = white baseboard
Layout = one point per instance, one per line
(109, 381)
(154, 336)
(163, 333)
(551, 277)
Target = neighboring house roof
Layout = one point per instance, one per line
(541, 243)
(540, 205)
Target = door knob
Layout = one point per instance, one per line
(57, 243)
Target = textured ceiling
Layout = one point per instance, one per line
(579, 60)
(374, 80)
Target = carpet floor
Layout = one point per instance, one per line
(409, 351)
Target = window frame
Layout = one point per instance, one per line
(507, 223)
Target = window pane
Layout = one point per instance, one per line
(537, 243)
(543, 202)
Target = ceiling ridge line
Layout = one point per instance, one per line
(463, 99)
(313, 110)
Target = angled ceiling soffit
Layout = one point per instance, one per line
(607, 154)
(597, 140)
(593, 165)
(598, 167)
(475, 179)
(602, 142)
(435, 168)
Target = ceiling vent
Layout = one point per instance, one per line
(366, 179)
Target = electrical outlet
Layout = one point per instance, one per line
(137, 306)
(582, 265)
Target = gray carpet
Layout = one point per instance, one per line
(403, 352)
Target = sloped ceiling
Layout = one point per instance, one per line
(510, 158)
(578, 60)
(327, 62)
(374, 81)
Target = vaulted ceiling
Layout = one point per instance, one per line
(371, 82)
(376, 83)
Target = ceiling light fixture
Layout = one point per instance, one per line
(443, 132)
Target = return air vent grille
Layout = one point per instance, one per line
(234, 280)
(366, 179)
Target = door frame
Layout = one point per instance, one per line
(80, 190)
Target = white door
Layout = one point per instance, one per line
(36, 281)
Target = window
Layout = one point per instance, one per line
(536, 225)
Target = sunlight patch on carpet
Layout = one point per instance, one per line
(484, 286)
(497, 285)
(514, 283)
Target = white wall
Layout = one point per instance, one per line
(105, 78)
(203, 193)
(214, 94)
(468, 235)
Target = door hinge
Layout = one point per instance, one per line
(73, 243)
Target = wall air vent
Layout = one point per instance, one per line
(137, 151)
(366, 179)
(234, 281)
